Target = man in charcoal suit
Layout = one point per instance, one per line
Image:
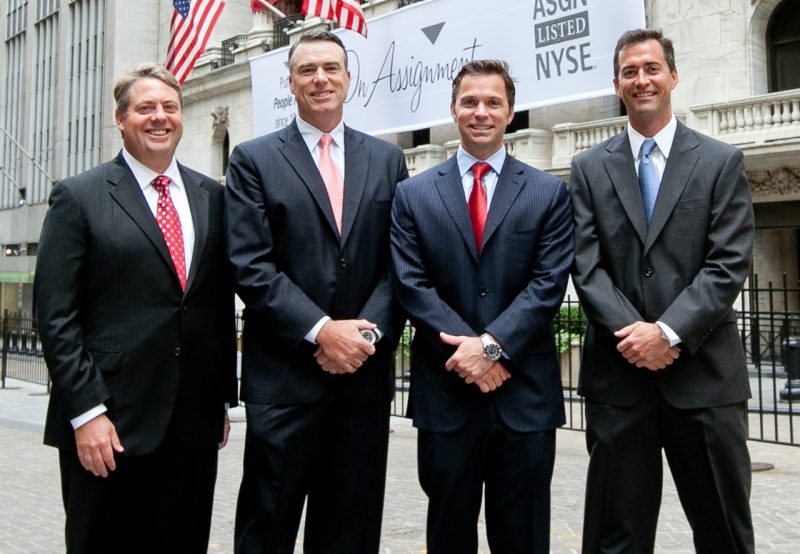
(481, 250)
(664, 235)
(308, 234)
(135, 311)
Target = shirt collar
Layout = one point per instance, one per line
(311, 134)
(663, 138)
(144, 175)
(466, 160)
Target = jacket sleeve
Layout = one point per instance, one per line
(530, 314)
(251, 250)
(58, 290)
(601, 300)
(415, 290)
(700, 307)
(382, 307)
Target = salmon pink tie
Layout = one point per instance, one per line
(170, 224)
(332, 178)
(477, 202)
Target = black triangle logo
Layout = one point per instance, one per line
(432, 32)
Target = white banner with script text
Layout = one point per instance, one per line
(558, 50)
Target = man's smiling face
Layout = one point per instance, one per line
(152, 125)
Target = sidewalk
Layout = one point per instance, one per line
(31, 515)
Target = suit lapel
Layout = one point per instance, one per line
(451, 191)
(198, 205)
(622, 172)
(127, 193)
(296, 153)
(680, 165)
(509, 184)
(355, 178)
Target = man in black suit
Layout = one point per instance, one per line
(138, 334)
(481, 267)
(660, 259)
(308, 234)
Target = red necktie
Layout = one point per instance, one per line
(332, 178)
(477, 202)
(170, 225)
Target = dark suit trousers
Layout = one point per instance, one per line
(332, 452)
(707, 454)
(156, 503)
(516, 469)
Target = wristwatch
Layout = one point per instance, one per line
(491, 349)
(369, 336)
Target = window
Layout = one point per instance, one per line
(520, 121)
(84, 84)
(783, 46)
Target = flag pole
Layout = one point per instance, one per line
(272, 8)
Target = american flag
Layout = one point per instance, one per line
(257, 6)
(345, 13)
(189, 29)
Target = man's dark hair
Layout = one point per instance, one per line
(487, 67)
(641, 35)
(122, 88)
(317, 36)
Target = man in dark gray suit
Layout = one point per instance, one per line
(135, 311)
(481, 249)
(660, 259)
(308, 234)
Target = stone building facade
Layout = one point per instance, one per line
(739, 81)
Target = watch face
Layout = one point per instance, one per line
(492, 351)
(369, 336)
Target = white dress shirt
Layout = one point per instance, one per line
(658, 156)
(465, 161)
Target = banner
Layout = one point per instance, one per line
(558, 50)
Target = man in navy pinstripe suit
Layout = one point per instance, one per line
(481, 273)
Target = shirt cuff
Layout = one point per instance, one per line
(311, 336)
(86, 417)
(672, 336)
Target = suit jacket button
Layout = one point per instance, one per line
(648, 272)
(343, 262)
(177, 352)
(483, 291)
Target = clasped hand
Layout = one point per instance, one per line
(342, 349)
(471, 365)
(642, 345)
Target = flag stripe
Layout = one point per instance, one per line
(345, 13)
(187, 51)
(189, 36)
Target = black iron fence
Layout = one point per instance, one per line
(282, 26)
(22, 356)
(768, 318)
(769, 323)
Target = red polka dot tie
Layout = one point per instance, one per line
(170, 224)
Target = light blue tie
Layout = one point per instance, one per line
(648, 178)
